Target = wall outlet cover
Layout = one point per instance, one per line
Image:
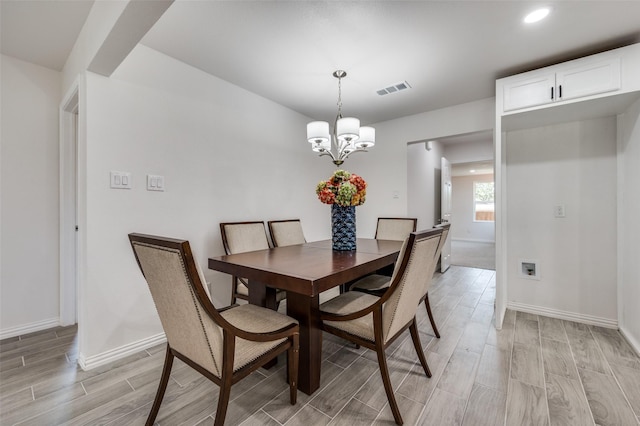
(529, 269)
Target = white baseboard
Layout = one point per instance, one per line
(630, 339)
(472, 240)
(29, 328)
(569, 316)
(87, 363)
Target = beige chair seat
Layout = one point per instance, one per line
(347, 303)
(254, 319)
(372, 283)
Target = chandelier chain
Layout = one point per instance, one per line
(340, 96)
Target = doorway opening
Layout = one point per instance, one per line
(472, 232)
(473, 211)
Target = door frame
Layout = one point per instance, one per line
(446, 195)
(68, 197)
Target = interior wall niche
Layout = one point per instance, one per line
(571, 166)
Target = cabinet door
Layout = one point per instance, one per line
(529, 92)
(588, 79)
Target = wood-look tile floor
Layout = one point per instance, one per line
(535, 371)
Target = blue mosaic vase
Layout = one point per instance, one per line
(343, 227)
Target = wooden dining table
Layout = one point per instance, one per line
(305, 271)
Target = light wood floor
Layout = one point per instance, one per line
(536, 370)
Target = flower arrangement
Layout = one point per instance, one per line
(343, 188)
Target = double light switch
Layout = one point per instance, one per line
(155, 183)
(120, 180)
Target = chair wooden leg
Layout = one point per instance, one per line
(223, 399)
(418, 345)
(162, 387)
(388, 388)
(293, 356)
(433, 323)
(234, 290)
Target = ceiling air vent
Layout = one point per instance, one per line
(393, 88)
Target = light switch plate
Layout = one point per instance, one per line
(120, 180)
(155, 183)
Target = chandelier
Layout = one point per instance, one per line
(347, 137)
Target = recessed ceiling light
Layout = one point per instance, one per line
(536, 15)
(472, 171)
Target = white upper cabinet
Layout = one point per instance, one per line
(574, 79)
(529, 91)
(588, 79)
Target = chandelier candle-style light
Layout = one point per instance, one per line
(347, 137)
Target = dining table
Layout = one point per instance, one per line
(304, 271)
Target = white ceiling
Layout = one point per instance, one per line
(449, 51)
(41, 32)
(475, 168)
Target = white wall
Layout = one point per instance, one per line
(29, 269)
(467, 152)
(463, 227)
(629, 226)
(424, 184)
(226, 155)
(574, 165)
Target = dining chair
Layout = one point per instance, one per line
(223, 345)
(375, 322)
(240, 237)
(395, 228)
(286, 232)
(377, 284)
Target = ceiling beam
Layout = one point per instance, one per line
(136, 20)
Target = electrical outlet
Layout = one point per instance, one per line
(558, 211)
(529, 269)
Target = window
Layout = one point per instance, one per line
(483, 204)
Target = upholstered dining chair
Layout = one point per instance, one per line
(286, 232)
(377, 284)
(375, 322)
(240, 237)
(395, 228)
(224, 346)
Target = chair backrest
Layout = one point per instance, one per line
(445, 233)
(410, 281)
(286, 232)
(178, 292)
(240, 237)
(395, 228)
